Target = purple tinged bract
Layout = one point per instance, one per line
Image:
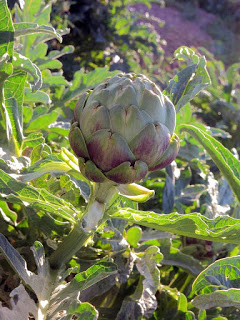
(122, 129)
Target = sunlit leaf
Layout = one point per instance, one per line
(195, 225)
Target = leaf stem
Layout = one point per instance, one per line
(94, 216)
(70, 245)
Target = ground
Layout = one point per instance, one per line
(192, 27)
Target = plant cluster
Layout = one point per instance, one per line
(109, 33)
(79, 238)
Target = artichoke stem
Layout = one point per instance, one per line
(99, 200)
(98, 203)
(70, 246)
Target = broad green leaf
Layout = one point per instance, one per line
(26, 65)
(38, 52)
(133, 236)
(91, 276)
(13, 98)
(85, 280)
(190, 81)
(26, 28)
(42, 122)
(223, 298)
(39, 14)
(33, 140)
(35, 18)
(29, 12)
(36, 97)
(53, 80)
(66, 162)
(46, 223)
(218, 284)
(202, 315)
(50, 64)
(233, 73)
(174, 257)
(6, 69)
(46, 37)
(40, 151)
(51, 164)
(14, 191)
(55, 54)
(223, 274)
(147, 265)
(142, 303)
(81, 311)
(182, 303)
(179, 83)
(194, 225)
(8, 214)
(223, 158)
(6, 30)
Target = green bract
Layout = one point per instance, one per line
(123, 129)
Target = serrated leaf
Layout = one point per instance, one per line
(47, 37)
(26, 28)
(174, 257)
(223, 298)
(36, 97)
(33, 140)
(147, 266)
(14, 191)
(13, 99)
(142, 303)
(6, 30)
(190, 81)
(223, 158)
(46, 223)
(194, 225)
(223, 274)
(81, 311)
(55, 54)
(49, 64)
(51, 164)
(82, 281)
(26, 65)
(54, 80)
(42, 122)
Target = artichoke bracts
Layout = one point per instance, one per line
(122, 129)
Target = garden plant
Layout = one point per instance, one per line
(117, 200)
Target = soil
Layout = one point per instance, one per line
(187, 28)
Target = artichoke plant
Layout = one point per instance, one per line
(122, 129)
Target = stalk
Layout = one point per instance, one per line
(84, 228)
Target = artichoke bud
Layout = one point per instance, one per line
(122, 129)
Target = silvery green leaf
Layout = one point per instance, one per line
(25, 28)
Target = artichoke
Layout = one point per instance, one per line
(122, 129)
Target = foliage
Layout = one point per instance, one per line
(173, 257)
(110, 33)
